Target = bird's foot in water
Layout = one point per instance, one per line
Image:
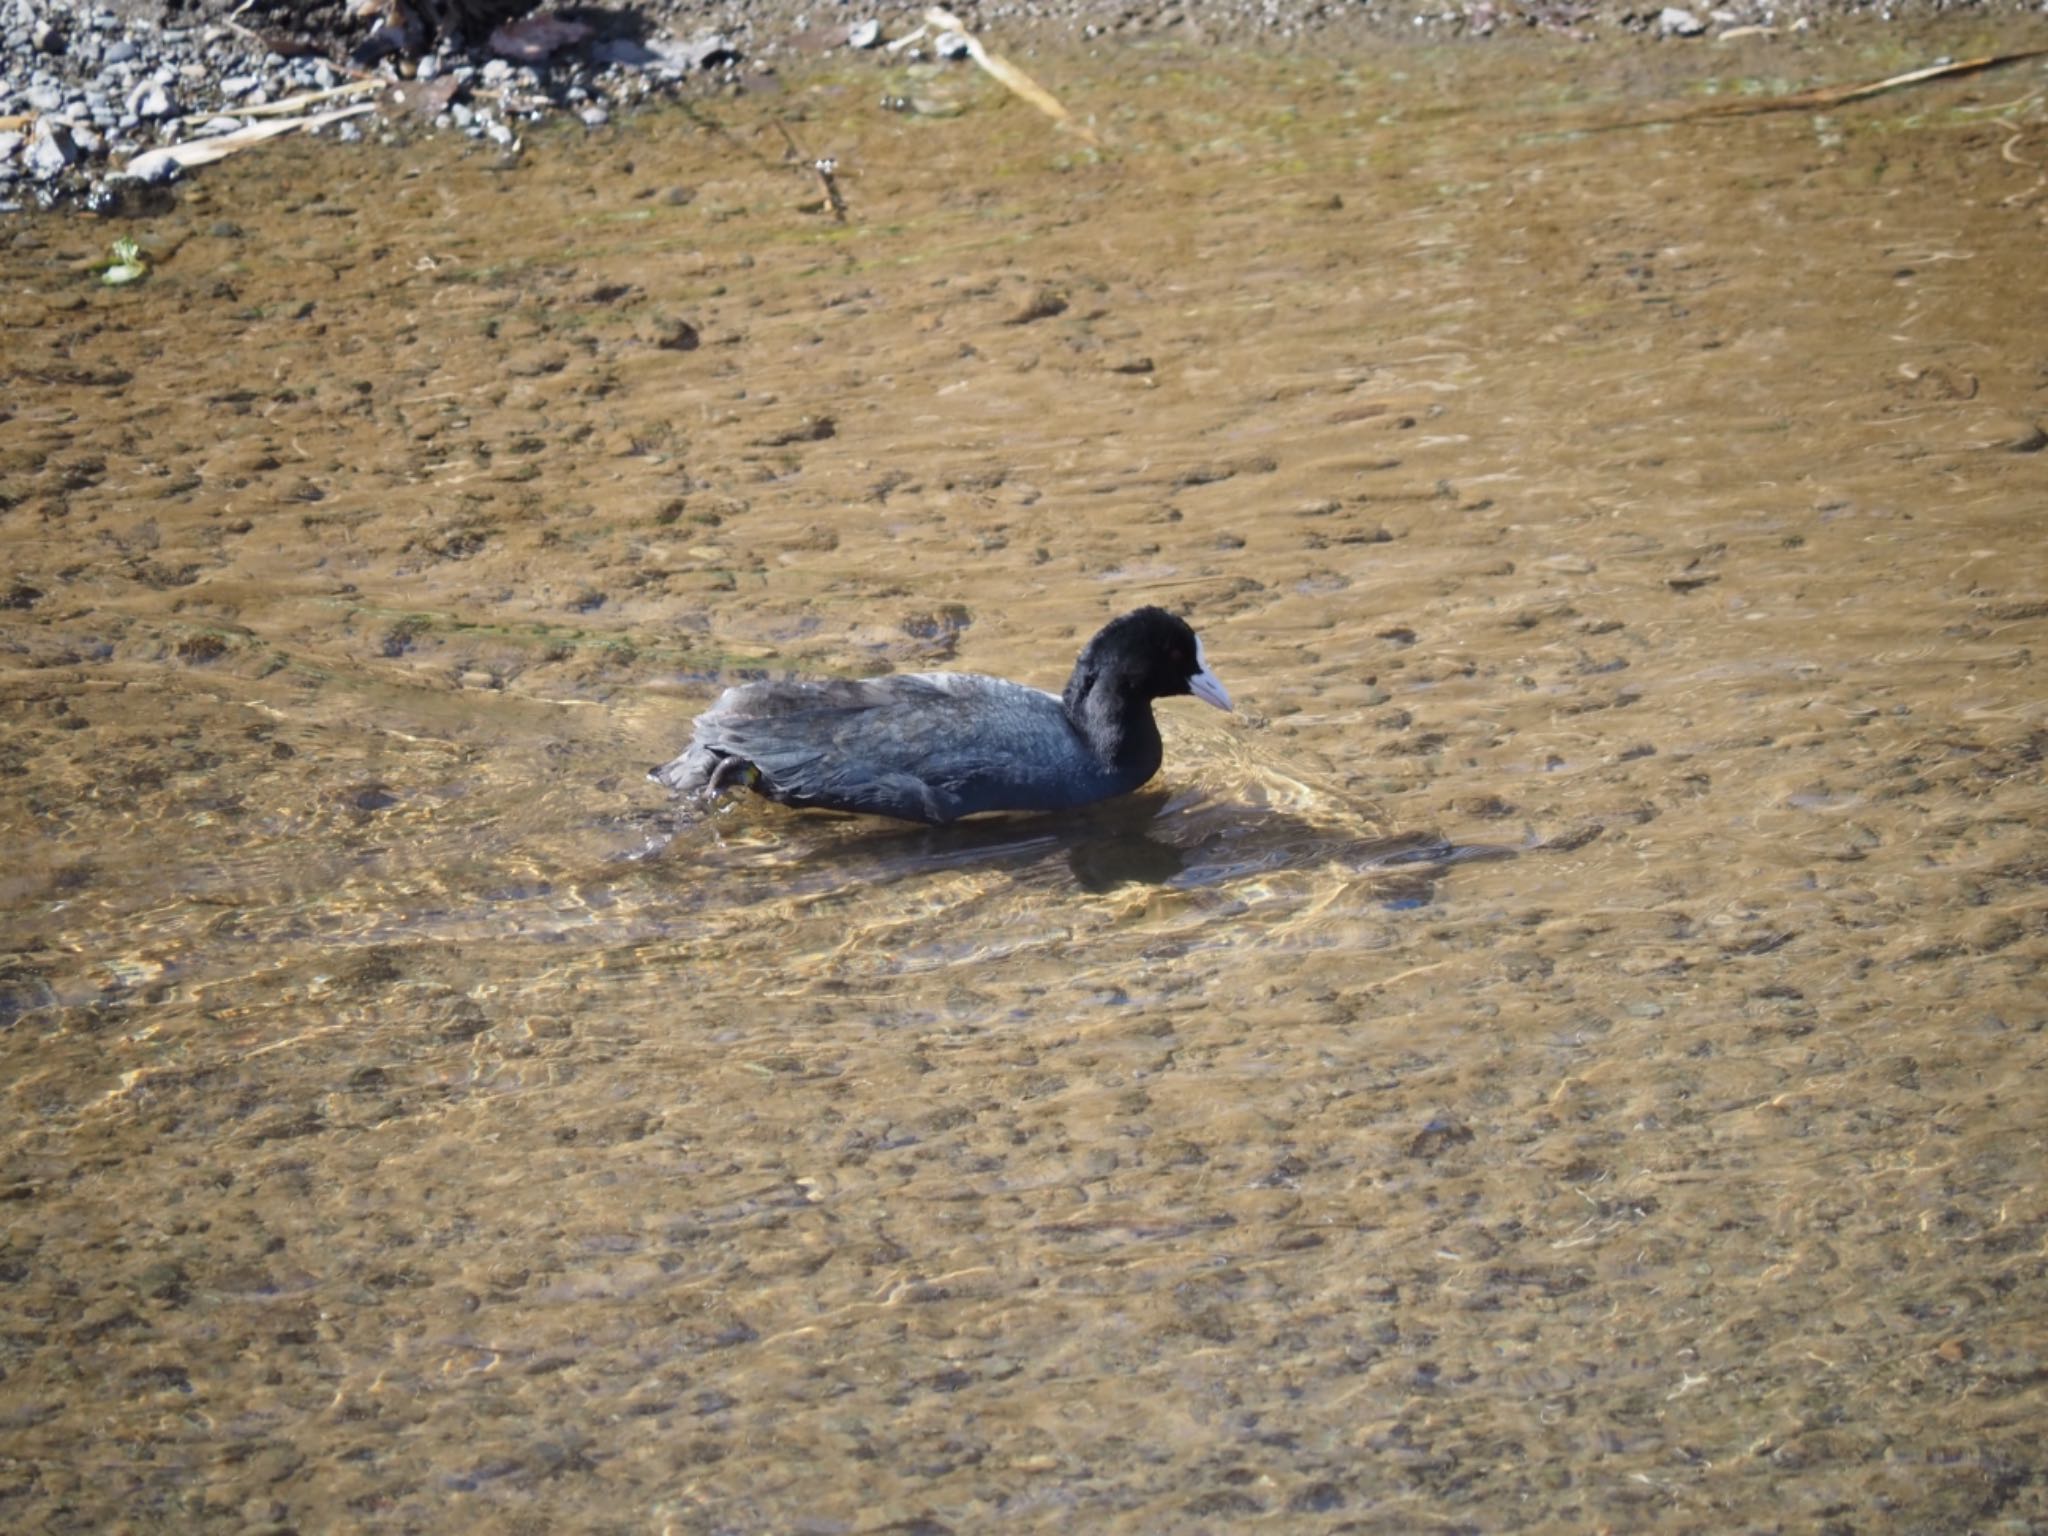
(735, 772)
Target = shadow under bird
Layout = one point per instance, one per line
(936, 746)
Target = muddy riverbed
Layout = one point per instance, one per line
(413, 1122)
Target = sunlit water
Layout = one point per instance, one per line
(1567, 1054)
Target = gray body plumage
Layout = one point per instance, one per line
(917, 746)
(936, 746)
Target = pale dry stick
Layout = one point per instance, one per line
(1010, 75)
(234, 20)
(205, 151)
(1828, 96)
(292, 104)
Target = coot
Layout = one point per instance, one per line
(936, 746)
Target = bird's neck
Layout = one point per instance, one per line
(1116, 724)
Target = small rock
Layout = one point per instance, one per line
(157, 165)
(150, 99)
(496, 73)
(594, 117)
(164, 1282)
(1042, 305)
(430, 66)
(951, 45)
(1573, 838)
(623, 51)
(864, 34)
(120, 52)
(1673, 22)
(811, 429)
(10, 141)
(51, 151)
(239, 85)
(44, 98)
(1437, 1137)
(703, 51)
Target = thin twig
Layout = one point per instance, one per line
(1828, 96)
(1009, 74)
(825, 168)
(291, 104)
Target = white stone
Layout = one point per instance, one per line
(50, 150)
(156, 165)
(150, 99)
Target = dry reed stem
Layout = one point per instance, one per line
(1009, 75)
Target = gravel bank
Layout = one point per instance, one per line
(87, 91)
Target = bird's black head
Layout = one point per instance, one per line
(1147, 654)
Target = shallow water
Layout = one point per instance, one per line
(1567, 1054)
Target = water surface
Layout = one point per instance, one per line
(413, 1121)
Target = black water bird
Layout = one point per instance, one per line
(936, 746)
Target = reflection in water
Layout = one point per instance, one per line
(1153, 837)
(386, 1145)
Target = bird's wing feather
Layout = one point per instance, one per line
(916, 743)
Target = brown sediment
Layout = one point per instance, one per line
(385, 1146)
